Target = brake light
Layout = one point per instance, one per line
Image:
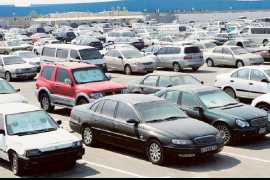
(187, 57)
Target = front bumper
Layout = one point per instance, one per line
(192, 64)
(251, 131)
(23, 75)
(143, 68)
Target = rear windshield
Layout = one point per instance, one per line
(190, 50)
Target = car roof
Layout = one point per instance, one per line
(193, 88)
(68, 46)
(70, 65)
(164, 73)
(3, 56)
(134, 99)
(15, 108)
(258, 67)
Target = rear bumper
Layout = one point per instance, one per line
(187, 64)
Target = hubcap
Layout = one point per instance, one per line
(155, 152)
(128, 71)
(7, 77)
(209, 62)
(225, 133)
(45, 102)
(87, 136)
(14, 164)
(240, 64)
(176, 68)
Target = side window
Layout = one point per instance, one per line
(74, 54)
(218, 50)
(188, 100)
(172, 96)
(162, 51)
(62, 53)
(234, 75)
(173, 50)
(1, 62)
(125, 113)
(226, 51)
(49, 52)
(62, 75)
(164, 81)
(109, 108)
(257, 75)
(47, 72)
(151, 81)
(243, 74)
(97, 106)
(2, 125)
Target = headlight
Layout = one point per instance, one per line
(181, 142)
(241, 123)
(77, 144)
(33, 152)
(96, 95)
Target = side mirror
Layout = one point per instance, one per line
(170, 85)
(199, 110)
(109, 76)
(155, 53)
(2, 132)
(78, 58)
(18, 90)
(202, 82)
(59, 122)
(68, 82)
(265, 81)
(133, 121)
(120, 57)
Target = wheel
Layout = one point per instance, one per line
(8, 76)
(264, 106)
(265, 42)
(195, 68)
(210, 63)
(225, 132)
(82, 101)
(239, 64)
(230, 92)
(128, 70)
(88, 136)
(45, 102)
(155, 152)
(16, 166)
(176, 67)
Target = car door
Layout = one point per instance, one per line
(240, 82)
(228, 58)
(128, 135)
(161, 57)
(149, 85)
(111, 59)
(259, 84)
(2, 68)
(3, 145)
(63, 89)
(217, 56)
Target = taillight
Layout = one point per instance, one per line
(187, 57)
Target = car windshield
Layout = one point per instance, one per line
(27, 55)
(129, 54)
(29, 123)
(88, 75)
(267, 72)
(14, 43)
(216, 98)
(13, 60)
(210, 45)
(90, 54)
(250, 44)
(239, 50)
(6, 88)
(179, 80)
(159, 111)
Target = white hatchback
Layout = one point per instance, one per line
(30, 137)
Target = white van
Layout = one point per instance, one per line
(67, 52)
(258, 34)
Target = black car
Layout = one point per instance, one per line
(146, 124)
(212, 105)
(65, 36)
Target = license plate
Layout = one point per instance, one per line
(262, 130)
(209, 148)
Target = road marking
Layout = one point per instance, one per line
(246, 157)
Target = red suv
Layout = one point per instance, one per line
(71, 84)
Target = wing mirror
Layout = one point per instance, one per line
(120, 57)
(155, 53)
(133, 121)
(109, 76)
(202, 82)
(199, 110)
(18, 90)
(265, 81)
(59, 122)
(2, 132)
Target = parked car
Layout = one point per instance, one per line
(37, 49)
(151, 83)
(66, 37)
(212, 105)
(29, 57)
(247, 82)
(8, 94)
(179, 57)
(129, 61)
(14, 67)
(29, 137)
(231, 56)
(145, 124)
(88, 41)
(262, 102)
(260, 35)
(9, 46)
(70, 84)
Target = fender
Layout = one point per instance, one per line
(84, 96)
(42, 89)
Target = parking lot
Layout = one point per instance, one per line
(247, 159)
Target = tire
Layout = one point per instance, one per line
(210, 63)
(176, 67)
(8, 76)
(264, 106)
(88, 136)
(239, 64)
(16, 166)
(70, 164)
(225, 131)
(128, 70)
(230, 92)
(155, 152)
(45, 102)
(82, 101)
(195, 68)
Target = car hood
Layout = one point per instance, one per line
(100, 86)
(142, 60)
(185, 129)
(34, 60)
(48, 141)
(12, 98)
(19, 66)
(241, 111)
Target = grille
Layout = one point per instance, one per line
(26, 70)
(205, 140)
(149, 63)
(260, 122)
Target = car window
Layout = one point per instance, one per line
(257, 75)
(164, 81)
(47, 72)
(218, 50)
(172, 96)
(62, 75)
(74, 54)
(2, 125)
(226, 51)
(243, 74)
(151, 81)
(115, 54)
(234, 75)
(50, 52)
(191, 50)
(108, 108)
(99, 107)
(62, 53)
(173, 50)
(162, 51)
(125, 113)
(188, 100)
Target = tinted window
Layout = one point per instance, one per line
(188, 100)
(257, 75)
(109, 108)
(243, 74)
(50, 52)
(47, 73)
(190, 50)
(62, 75)
(62, 53)
(151, 81)
(257, 30)
(125, 113)
(74, 54)
(172, 96)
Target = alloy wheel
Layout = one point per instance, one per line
(224, 132)
(155, 153)
(87, 136)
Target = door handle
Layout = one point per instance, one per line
(250, 83)
(232, 81)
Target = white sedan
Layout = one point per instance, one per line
(262, 102)
(246, 82)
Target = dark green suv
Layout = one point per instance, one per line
(211, 105)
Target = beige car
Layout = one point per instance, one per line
(129, 61)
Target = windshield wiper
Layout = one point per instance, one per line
(230, 104)
(34, 132)
(166, 119)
